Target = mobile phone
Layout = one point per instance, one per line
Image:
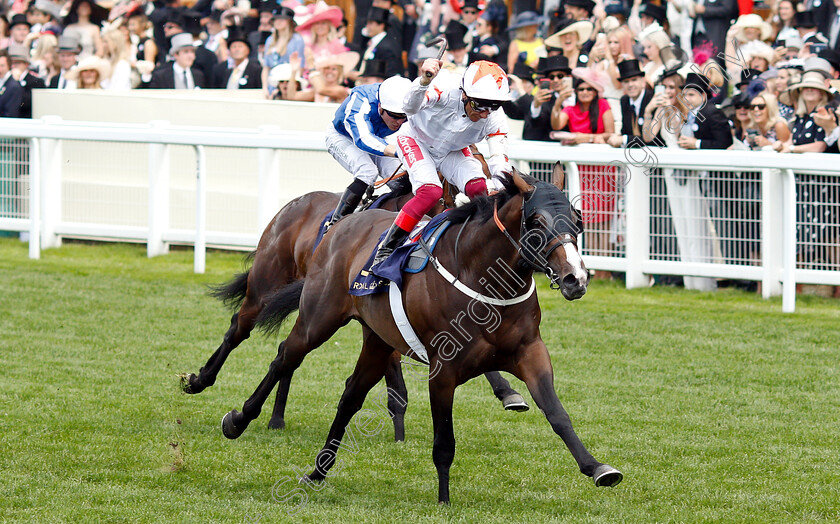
(545, 83)
(658, 89)
(567, 82)
(818, 48)
(781, 43)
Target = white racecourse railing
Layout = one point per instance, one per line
(639, 177)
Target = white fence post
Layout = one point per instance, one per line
(158, 195)
(637, 205)
(789, 239)
(772, 247)
(200, 262)
(269, 181)
(50, 186)
(34, 198)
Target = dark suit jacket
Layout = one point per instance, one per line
(250, 78)
(536, 128)
(29, 82)
(11, 98)
(164, 77)
(628, 115)
(713, 129)
(389, 50)
(717, 19)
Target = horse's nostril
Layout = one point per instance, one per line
(570, 280)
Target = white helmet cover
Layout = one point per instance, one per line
(392, 94)
(485, 80)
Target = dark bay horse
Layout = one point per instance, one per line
(504, 239)
(281, 258)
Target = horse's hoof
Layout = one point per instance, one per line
(515, 402)
(606, 476)
(188, 384)
(277, 424)
(229, 429)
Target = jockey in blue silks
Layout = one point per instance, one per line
(356, 137)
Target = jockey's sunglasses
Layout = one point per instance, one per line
(483, 105)
(395, 116)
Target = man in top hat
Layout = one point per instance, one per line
(537, 108)
(650, 13)
(578, 9)
(27, 79)
(469, 15)
(180, 73)
(633, 103)
(19, 28)
(373, 72)
(380, 45)
(188, 21)
(706, 127)
(68, 54)
(238, 71)
(457, 54)
(45, 16)
(806, 23)
(11, 94)
(712, 21)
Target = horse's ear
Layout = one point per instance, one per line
(520, 182)
(558, 176)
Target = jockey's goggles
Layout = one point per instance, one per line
(396, 116)
(484, 105)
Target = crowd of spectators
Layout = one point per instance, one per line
(617, 72)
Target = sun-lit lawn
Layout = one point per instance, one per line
(716, 406)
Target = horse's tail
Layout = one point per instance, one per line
(232, 293)
(278, 306)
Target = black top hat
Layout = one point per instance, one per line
(267, 6)
(629, 69)
(378, 14)
(470, 3)
(192, 21)
(455, 33)
(654, 11)
(216, 15)
(375, 67)
(747, 75)
(17, 20)
(832, 57)
(804, 19)
(698, 82)
(553, 63)
(524, 72)
(520, 6)
(174, 16)
(589, 5)
(237, 34)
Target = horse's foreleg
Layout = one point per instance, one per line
(510, 398)
(441, 395)
(370, 368)
(534, 368)
(278, 415)
(241, 325)
(397, 395)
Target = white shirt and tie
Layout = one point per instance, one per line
(236, 75)
(183, 77)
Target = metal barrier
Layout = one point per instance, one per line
(703, 215)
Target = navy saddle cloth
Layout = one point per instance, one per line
(375, 205)
(408, 258)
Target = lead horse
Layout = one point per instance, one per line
(530, 226)
(281, 258)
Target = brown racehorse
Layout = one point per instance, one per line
(282, 257)
(507, 237)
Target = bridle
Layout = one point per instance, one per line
(546, 208)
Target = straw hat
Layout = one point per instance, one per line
(591, 76)
(754, 21)
(91, 63)
(756, 48)
(320, 12)
(812, 79)
(583, 29)
(346, 60)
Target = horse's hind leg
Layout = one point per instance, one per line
(397, 395)
(510, 398)
(278, 414)
(241, 325)
(534, 368)
(371, 366)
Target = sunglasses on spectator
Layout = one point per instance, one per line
(469, 11)
(556, 76)
(585, 89)
(760, 107)
(484, 105)
(741, 106)
(395, 116)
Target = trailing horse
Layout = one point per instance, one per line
(505, 237)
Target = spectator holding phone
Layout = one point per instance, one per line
(634, 104)
(782, 20)
(767, 129)
(553, 87)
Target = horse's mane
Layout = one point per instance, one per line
(481, 208)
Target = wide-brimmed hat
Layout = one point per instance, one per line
(654, 11)
(100, 65)
(49, 7)
(629, 69)
(98, 14)
(594, 77)
(812, 79)
(755, 21)
(525, 19)
(753, 49)
(237, 34)
(69, 43)
(19, 20)
(455, 33)
(346, 60)
(180, 41)
(553, 63)
(804, 19)
(699, 82)
(820, 65)
(588, 5)
(282, 73)
(320, 12)
(374, 67)
(18, 52)
(583, 29)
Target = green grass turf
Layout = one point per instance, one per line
(716, 406)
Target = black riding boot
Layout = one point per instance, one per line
(348, 203)
(394, 239)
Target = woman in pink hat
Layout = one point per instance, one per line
(320, 32)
